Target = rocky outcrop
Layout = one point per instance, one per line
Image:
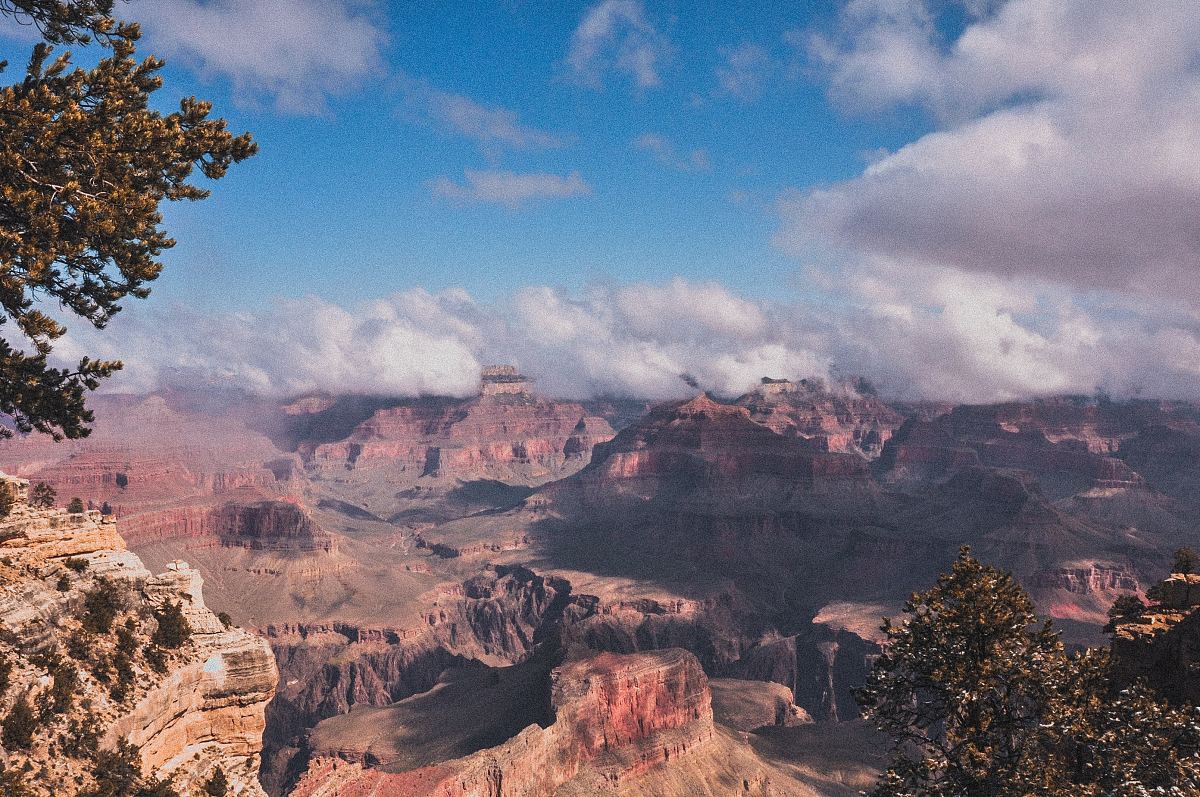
(837, 420)
(188, 706)
(212, 705)
(1070, 444)
(497, 617)
(707, 451)
(614, 718)
(511, 436)
(1160, 645)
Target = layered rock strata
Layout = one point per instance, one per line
(615, 717)
(200, 708)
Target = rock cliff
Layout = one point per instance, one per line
(513, 437)
(109, 654)
(615, 717)
(1161, 644)
(837, 420)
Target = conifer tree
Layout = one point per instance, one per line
(960, 685)
(85, 162)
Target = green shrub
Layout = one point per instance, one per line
(76, 506)
(173, 630)
(155, 658)
(62, 691)
(6, 501)
(76, 564)
(42, 496)
(122, 480)
(217, 785)
(14, 784)
(101, 605)
(19, 725)
(225, 619)
(6, 668)
(63, 584)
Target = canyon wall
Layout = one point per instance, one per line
(74, 606)
(615, 717)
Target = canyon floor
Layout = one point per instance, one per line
(539, 597)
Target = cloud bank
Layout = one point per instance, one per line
(294, 53)
(1064, 148)
(942, 334)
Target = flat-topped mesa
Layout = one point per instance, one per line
(504, 380)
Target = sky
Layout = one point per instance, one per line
(969, 201)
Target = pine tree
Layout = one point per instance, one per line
(85, 162)
(76, 506)
(981, 700)
(960, 686)
(42, 496)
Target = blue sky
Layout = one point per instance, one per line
(339, 202)
(963, 199)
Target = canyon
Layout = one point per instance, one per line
(458, 592)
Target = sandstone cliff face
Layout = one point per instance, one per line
(496, 618)
(615, 717)
(1072, 444)
(168, 473)
(204, 710)
(516, 438)
(705, 451)
(839, 420)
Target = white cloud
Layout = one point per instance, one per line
(667, 152)
(617, 35)
(297, 53)
(744, 72)
(491, 127)
(511, 189)
(1065, 147)
(928, 332)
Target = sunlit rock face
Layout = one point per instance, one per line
(1160, 646)
(838, 419)
(614, 717)
(205, 711)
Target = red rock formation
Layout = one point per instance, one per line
(708, 449)
(1066, 440)
(615, 718)
(840, 420)
(512, 437)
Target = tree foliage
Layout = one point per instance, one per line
(981, 699)
(42, 496)
(173, 630)
(85, 163)
(19, 725)
(101, 605)
(1185, 561)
